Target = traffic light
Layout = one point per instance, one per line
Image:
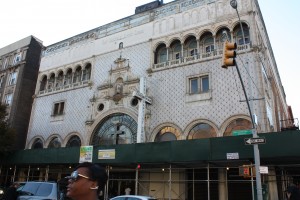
(229, 54)
(245, 171)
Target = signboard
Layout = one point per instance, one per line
(241, 132)
(232, 156)
(249, 141)
(86, 154)
(263, 170)
(106, 154)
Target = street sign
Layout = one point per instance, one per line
(249, 141)
(232, 156)
(241, 132)
(263, 170)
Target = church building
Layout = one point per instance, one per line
(156, 77)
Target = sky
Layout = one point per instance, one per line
(55, 20)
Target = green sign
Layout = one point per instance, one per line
(86, 154)
(241, 132)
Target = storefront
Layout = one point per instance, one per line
(189, 169)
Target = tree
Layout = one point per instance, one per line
(7, 134)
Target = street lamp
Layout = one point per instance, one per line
(233, 4)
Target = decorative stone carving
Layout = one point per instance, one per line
(118, 92)
(120, 84)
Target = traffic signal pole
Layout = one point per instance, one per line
(228, 60)
(233, 4)
(255, 146)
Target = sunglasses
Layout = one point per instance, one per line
(75, 175)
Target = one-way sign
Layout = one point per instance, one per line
(249, 141)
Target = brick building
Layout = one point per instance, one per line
(19, 65)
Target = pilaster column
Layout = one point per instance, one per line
(182, 52)
(272, 186)
(198, 48)
(223, 191)
(167, 53)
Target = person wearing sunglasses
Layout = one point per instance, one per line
(86, 182)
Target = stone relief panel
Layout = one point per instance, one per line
(220, 9)
(116, 91)
(171, 23)
(163, 27)
(156, 28)
(194, 17)
(203, 14)
(211, 10)
(186, 19)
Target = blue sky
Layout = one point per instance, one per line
(283, 26)
(54, 20)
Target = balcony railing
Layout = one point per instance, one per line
(198, 57)
(190, 58)
(64, 87)
(174, 62)
(160, 65)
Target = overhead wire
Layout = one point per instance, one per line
(236, 83)
(249, 75)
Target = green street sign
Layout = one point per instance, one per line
(241, 132)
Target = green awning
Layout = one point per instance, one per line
(284, 145)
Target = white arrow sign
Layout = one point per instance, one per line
(255, 141)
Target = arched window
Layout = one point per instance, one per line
(191, 47)
(121, 45)
(77, 75)
(54, 143)
(166, 134)
(59, 80)
(239, 37)
(208, 44)
(202, 130)
(238, 34)
(175, 50)
(37, 144)
(222, 35)
(116, 129)
(74, 141)
(51, 81)
(68, 78)
(87, 72)
(237, 124)
(43, 83)
(161, 54)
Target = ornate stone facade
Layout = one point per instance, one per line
(178, 48)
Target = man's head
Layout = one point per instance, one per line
(87, 179)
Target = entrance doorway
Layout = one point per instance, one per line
(119, 182)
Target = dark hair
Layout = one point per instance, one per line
(96, 173)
